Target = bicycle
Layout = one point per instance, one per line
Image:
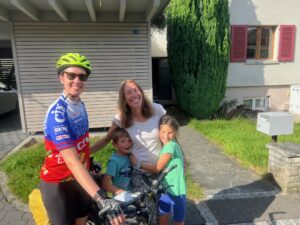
(141, 209)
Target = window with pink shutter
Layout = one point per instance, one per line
(238, 43)
(260, 42)
(286, 43)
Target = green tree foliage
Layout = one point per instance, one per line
(159, 22)
(198, 52)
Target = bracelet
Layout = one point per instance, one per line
(138, 165)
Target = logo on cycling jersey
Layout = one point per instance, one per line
(59, 113)
(82, 144)
(60, 159)
(76, 117)
(78, 120)
(60, 129)
(64, 136)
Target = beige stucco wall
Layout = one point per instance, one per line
(266, 12)
(278, 96)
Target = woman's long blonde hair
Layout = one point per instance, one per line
(125, 111)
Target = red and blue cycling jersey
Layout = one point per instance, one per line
(66, 126)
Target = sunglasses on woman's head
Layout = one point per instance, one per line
(72, 76)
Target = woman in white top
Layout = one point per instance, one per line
(140, 118)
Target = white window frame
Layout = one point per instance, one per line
(262, 108)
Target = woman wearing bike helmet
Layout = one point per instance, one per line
(66, 185)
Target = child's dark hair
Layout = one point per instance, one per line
(169, 120)
(118, 133)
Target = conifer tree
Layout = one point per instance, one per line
(198, 53)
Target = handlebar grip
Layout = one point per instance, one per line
(169, 169)
(103, 211)
(165, 172)
(133, 200)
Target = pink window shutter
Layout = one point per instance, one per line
(238, 43)
(286, 43)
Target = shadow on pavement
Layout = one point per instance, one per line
(245, 203)
(193, 216)
(10, 121)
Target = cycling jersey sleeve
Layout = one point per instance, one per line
(57, 132)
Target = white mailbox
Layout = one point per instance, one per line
(275, 123)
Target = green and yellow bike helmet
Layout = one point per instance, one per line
(73, 59)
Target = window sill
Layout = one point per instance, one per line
(261, 62)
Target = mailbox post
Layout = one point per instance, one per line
(284, 158)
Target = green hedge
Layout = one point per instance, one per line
(198, 52)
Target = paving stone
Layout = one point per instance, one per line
(10, 137)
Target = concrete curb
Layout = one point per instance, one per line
(21, 145)
(11, 198)
(8, 195)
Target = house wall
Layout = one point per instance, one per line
(271, 78)
(117, 51)
(5, 30)
(278, 96)
(267, 73)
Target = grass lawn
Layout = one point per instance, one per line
(22, 169)
(240, 140)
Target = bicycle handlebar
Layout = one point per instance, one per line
(104, 210)
(165, 172)
(153, 188)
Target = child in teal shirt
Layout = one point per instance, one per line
(118, 172)
(175, 198)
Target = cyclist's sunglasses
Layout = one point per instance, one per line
(72, 76)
